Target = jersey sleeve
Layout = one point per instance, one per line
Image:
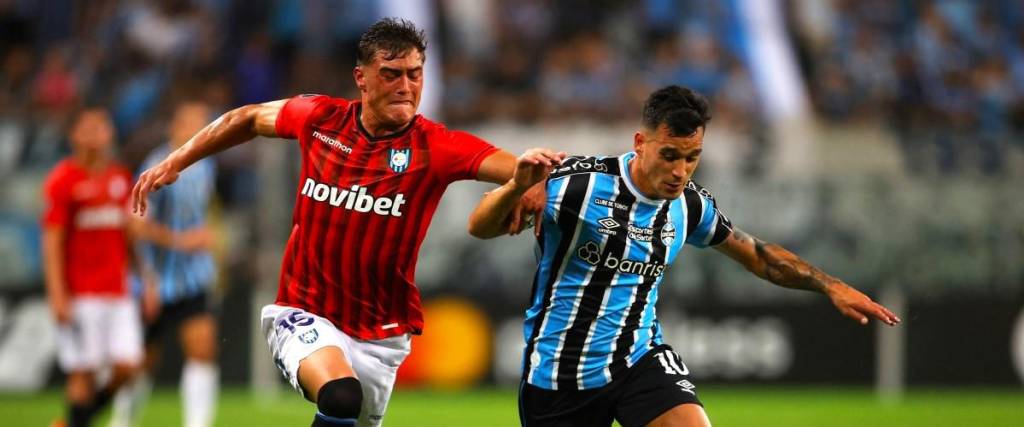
(706, 225)
(460, 155)
(57, 198)
(296, 113)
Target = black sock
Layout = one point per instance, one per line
(100, 401)
(79, 414)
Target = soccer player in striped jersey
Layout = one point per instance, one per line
(373, 172)
(175, 241)
(594, 348)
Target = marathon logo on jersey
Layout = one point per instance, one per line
(590, 253)
(399, 159)
(332, 142)
(353, 198)
(100, 217)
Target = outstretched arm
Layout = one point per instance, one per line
(492, 215)
(234, 127)
(499, 168)
(782, 267)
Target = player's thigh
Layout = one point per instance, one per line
(124, 343)
(657, 385)
(320, 367)
(198, 336)
(80, 342)
(376, 365)
(307, 348)
(683, 415)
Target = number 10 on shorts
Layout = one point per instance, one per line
(671, 362)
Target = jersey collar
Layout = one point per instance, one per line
(371, 138)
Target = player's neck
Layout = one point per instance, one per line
(642, 185)
(92, 161)
(377, 128)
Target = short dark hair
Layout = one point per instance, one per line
(393, 36)
(78, 113)
(679, 108)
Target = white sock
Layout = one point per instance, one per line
(199, 386)
(130, 400)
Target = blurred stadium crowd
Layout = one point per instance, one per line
(945, 77)
(948, 73)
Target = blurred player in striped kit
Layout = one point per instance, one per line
(176, 245)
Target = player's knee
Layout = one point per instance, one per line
(340, 398)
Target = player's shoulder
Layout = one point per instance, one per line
(438, 133)
(693, 189)
(64, 170)
(573, 165)
(116, 168)
(323, 106)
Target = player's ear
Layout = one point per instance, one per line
(360, 77)
(638, 141)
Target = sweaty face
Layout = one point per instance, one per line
(391, 88)
(665, 163)
(92, 131)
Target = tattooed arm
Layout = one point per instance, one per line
(782, 267)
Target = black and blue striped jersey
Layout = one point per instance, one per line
(180, 207)
(604, 250)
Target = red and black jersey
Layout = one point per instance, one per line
(363, 207)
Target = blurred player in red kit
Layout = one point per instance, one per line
(372, 174)
(86, 251)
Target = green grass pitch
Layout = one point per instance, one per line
(727, 406)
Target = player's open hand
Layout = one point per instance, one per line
(60, 305)
(534, 166)
(857, 306)
(154, 178)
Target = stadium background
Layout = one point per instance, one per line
(882, 140)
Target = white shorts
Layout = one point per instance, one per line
(293, 334)
(102, 331)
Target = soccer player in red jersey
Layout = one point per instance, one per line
(372, 174)
(85, 254)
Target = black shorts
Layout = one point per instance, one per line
(174, 314)
(656, 384)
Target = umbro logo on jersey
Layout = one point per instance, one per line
(354, 198)
(608, 226)
(332, 142)
(399, 159)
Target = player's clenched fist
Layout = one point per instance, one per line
(164, 173)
